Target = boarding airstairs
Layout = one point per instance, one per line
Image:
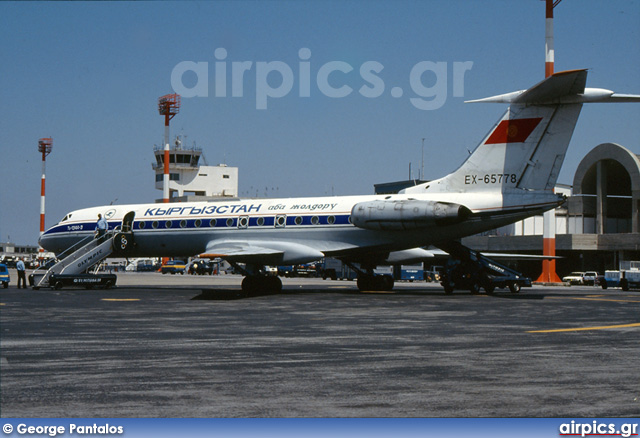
(81, 257)
(469, 269)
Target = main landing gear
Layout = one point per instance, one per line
(261, 284)
(369, 281)
(256, 281)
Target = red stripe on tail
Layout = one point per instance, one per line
(513, 131)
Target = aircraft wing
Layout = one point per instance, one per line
(265, 252)
(416, 255)
(270, 252)
(498, 255)
(409, 256)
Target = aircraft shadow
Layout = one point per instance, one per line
(220, 294)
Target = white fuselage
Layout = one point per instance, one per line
(323, 224)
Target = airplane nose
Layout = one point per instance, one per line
(43, 241)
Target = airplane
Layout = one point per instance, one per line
(509, 176)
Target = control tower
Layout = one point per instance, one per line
(190, 178)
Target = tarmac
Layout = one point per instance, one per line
(187, 346)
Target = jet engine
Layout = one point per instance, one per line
(406, 214)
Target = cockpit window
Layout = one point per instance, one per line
(67, 217)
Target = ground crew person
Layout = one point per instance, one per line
(21, 273)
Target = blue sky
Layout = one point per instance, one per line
(89, 75)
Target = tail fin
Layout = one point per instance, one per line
(526, 148)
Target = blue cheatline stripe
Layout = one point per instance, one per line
(219, 222)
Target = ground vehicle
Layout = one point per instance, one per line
(303, 270)
(4, 276)
(573, 278)
(200, 267)
(142, 265)
(87, 281)
(271, 270)
(623, 279)
(586, 278)
(409, 272)
(589, 278)
(433, 273)
(173, 267)
(336, 270)
(471, 270)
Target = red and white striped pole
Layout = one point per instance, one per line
(549, 218)
(548, 40)
(44, 147)
(165, 177)
(42, 184)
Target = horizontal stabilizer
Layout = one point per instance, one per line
(557, 86)
(561, 88)
(617, 97)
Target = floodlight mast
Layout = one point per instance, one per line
(168, 106)
(45, 145)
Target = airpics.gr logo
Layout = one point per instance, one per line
(331, 79)
(596, 428)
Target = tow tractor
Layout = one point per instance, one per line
(468, 269)
(72, 266)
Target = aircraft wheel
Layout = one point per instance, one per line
(474, 288)
(489, 288)
(57, 285)
(273, 284)
(387, 282)
(514, 287)
(448, 287)
(365, 282)
(375, 283)
(249, 284)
